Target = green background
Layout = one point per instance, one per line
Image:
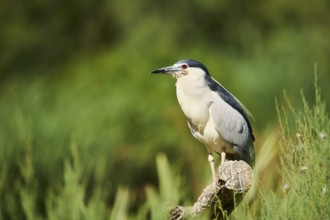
(75, 77)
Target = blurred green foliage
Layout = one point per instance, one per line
(74, 80)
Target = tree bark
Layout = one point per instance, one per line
(234, 180)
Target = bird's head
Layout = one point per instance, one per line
(184, 67)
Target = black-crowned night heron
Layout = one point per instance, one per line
(215, 117)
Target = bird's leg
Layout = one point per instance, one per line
(223, 155)
(211, 160)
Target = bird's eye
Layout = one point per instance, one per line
(184, 66)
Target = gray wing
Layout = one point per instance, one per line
(233, 128)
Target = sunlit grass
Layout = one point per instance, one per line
(296, 187)
(76, 151)
(302, 187)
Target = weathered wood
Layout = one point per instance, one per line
(234, 180)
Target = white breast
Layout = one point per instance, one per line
(195, 98)
(191, 94)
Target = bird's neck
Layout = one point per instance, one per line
(190, 84)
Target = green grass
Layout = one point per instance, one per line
(303, 185)
(81, 189)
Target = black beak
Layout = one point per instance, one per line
(169, 70)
